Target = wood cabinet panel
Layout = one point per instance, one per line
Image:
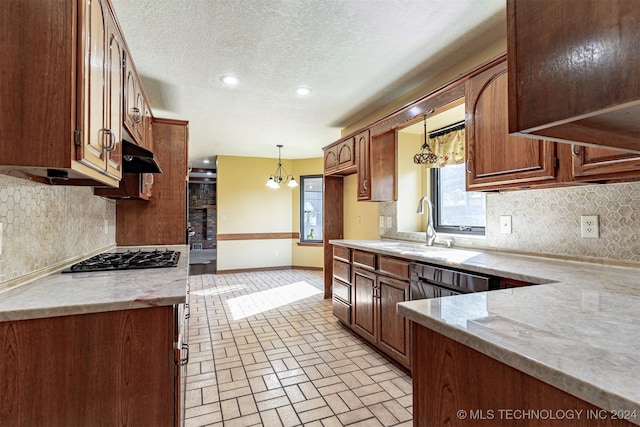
(103, 369)
(342, 270)
(577, 80)
(363, 145)
(332, 222)
(394, 337)
(132, 186)
(394, 267)
(342, 253)
(364, 318)
(382, 154)
(163, 219)
(495, 159)
(592, 163)
(452, 376)
(342, 311)
(364, 259)
(342, 291)
(340, 158)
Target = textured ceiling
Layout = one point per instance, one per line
(355, 55)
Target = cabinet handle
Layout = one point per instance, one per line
(469, 165)
(137, 117)
(185, 359)
(575, 150)
(364, 185)
(112, 140)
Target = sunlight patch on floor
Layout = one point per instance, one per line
(259, 302)
(219, 290)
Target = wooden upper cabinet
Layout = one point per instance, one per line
(340, 158)
(496, 160)
(137, 111)
(573, 68)
(591, 163)
(363, 143)
(61, 97)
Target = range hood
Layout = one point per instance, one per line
(136, 159)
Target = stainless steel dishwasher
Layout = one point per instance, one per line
(430, 281)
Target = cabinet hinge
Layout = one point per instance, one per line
(556, 162)
(77, 137)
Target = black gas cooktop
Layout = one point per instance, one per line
(128, 260)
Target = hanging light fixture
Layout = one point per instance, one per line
(425, 156)
(281, 175)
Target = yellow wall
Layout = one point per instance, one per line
(246, 205)
(410, 181)
(360, 218)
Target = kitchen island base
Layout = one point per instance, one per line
(109, 368)
(455, 385)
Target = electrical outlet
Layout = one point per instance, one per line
(505, 224)
(389, 222)
(223, 217)
(589, 227)
(381, 221)
(106, 226)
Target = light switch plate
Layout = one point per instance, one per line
(389, 222)
(505, 224)
(381, 221)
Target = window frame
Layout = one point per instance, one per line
(302, 235)
(434, 177)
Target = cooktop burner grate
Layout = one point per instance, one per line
(128, 260)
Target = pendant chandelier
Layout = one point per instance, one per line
(425, 156)
(281, 175)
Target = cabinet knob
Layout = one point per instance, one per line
(575, 150)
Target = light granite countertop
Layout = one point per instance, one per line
(578, 329)
(59, 294)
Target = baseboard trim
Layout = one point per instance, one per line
(284, 267)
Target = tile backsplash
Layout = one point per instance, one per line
(47, 225)
(547, 221)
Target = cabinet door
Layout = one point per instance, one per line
(114, 81)
(573, 68)
(92, 103)
(346, 153)
(330, 160)
(494, 158)
(364, 165)
(364, 286)
(394, 337)
(590, 163)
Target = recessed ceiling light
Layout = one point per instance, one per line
(303, 91)
(205, 161)
(230, 80)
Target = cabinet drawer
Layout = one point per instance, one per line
(342, 270)
(364, 259)
(342, 253)
(394, 267)
(342, 291)
(342, 311)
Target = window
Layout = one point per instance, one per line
(311, 208)
(455, 209)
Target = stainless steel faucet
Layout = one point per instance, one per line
(431, 232)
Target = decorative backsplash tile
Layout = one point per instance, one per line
(547, 221)
(45, 225)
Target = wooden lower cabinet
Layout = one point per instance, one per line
(394, 338)
(99, 369)
(450, 377)
(364, 304)
(367, 304)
